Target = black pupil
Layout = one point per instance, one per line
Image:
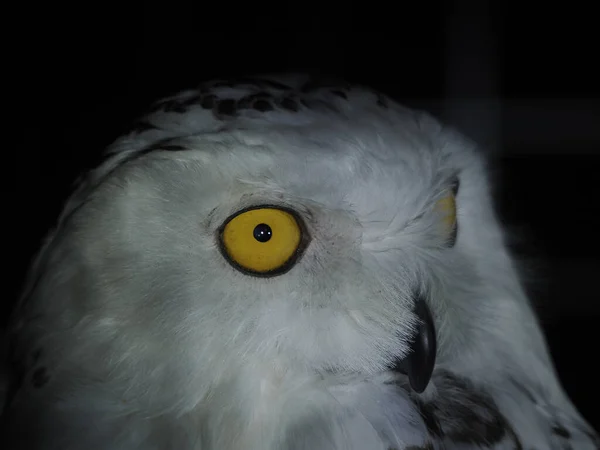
(262, 232)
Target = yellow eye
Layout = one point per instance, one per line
(446, 206)
(263, 240)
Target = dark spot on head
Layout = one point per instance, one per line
(175, 106)
(260, 102)
(262, 105)
(39, 377)
(245, 102)
(172, 147)
(561, 431)
(263, 94)
(226, 107)
(162, 145)
(339, 93)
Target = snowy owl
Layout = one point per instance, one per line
(282, 263)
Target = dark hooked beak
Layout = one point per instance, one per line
(418, 364)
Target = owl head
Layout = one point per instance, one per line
(320, 233)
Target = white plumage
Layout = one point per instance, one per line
(140, 329)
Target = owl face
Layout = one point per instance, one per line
(241, 250)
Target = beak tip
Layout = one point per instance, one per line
(420, 362)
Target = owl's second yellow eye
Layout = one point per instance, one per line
(446, 206)
(263, 240)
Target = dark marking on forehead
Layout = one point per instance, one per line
(226, 107)
(163, 145)
(262, 105)
(248, 100)
(176, 106)
(561, 431)
(172, 148)
(339, 93)
(260, 102)
(270, 95)
(39, 377)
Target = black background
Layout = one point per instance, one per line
(520, 78)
